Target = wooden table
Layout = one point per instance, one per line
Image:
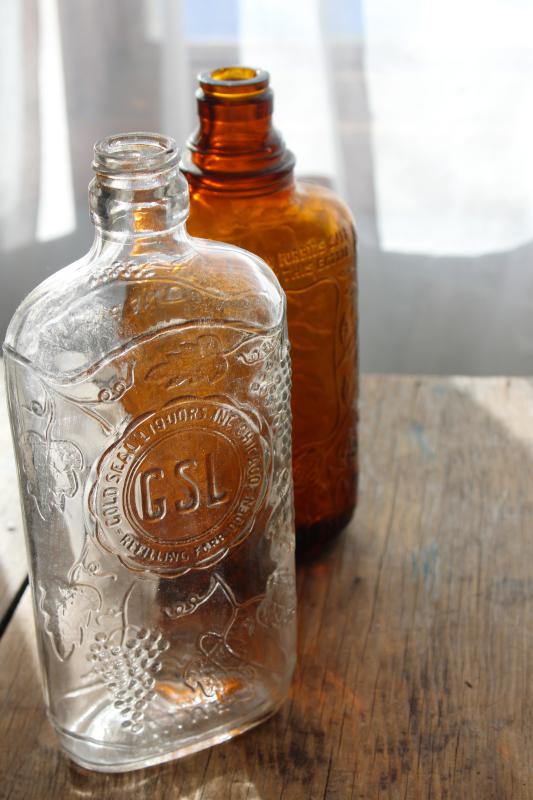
(415, 631)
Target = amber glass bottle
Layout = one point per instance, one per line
(243, 191)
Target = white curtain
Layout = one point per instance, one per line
(287, 39)
(451, 110)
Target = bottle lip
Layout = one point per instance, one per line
(234, 81)
(136, 153)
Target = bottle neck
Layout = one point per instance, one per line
(138, 192)
(236, 148)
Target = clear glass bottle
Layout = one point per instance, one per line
(149, 387)
(243, 191)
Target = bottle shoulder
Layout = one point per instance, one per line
(266, 223)
(324, 205)
(98, 304)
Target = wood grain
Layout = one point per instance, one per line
(415, 631)
(12, 553)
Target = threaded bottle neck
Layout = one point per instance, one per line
(236, 148)
(138, 189)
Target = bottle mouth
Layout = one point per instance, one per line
(234, 81)
(135, 154)
(235, 148)
(138, 188)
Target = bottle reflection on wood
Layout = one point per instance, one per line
(243, 191)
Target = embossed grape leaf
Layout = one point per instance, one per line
(202, 361)
(278, 606)
(223, 664)
(67, 610)
(204, 674)
(52, 473)
(242, 631)
(217, 670)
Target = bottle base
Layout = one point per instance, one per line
(98, 756)
(314, 540)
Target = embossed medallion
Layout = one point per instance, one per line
(182, 486)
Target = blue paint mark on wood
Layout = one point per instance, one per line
(425, 563)
(420, 436)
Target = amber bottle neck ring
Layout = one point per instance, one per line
(236, 148)
(138, 190)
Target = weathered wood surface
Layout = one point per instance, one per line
(12, 554)
(416, 631)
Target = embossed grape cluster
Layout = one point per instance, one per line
(128, 672)
(277, 402)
